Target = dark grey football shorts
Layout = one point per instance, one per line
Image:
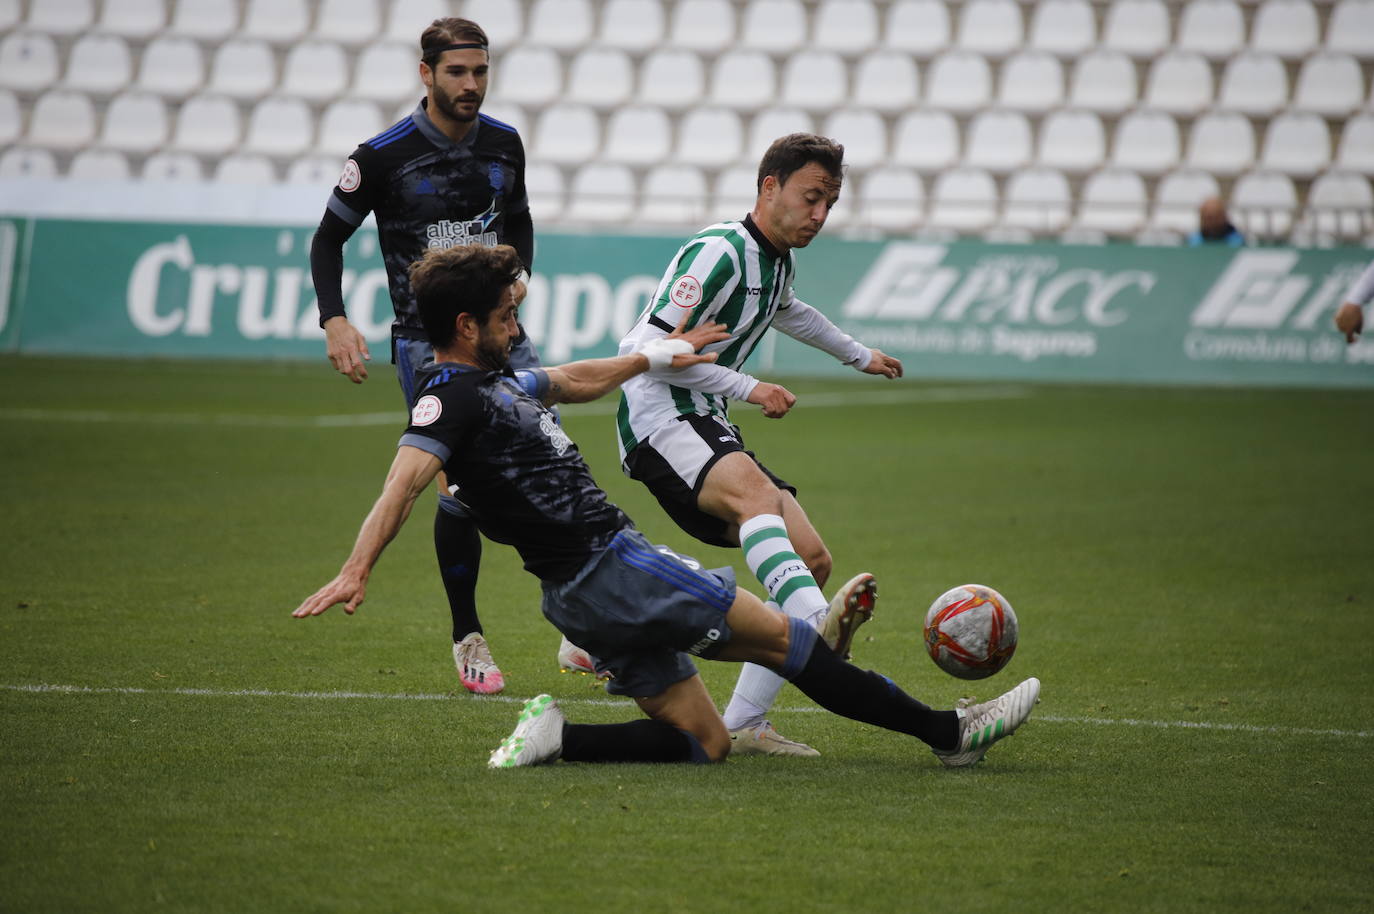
(640, 610)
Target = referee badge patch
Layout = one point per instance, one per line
(686, 292)
(351, 179)
(426, 411)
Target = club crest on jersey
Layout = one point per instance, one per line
(557, 437)
(352, 178)
(426, 411)
(497, 176)
(686, 292)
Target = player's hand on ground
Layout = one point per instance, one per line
(884, 365)
(346, 348)
(345, 589)
(775, 399)
(1350, 321)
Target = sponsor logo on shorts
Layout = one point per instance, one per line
(689, 562)
(712, 636)
(426, 411)
(352, 178)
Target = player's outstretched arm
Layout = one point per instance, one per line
(589, 379)
(883, 364)
(411, 473)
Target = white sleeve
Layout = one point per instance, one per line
(1363, 290)
(707, 377)
(807, 325)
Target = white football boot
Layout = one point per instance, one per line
(537, 737)
(572, 659)
(983, 724)
(764, 740)
(476, 669)
(851, 607)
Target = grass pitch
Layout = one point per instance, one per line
(1191, 569)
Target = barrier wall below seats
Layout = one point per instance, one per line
(964, 310)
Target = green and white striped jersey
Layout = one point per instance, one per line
(729, 273)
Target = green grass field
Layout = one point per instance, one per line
(1191, 568)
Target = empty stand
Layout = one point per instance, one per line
(673, 195)
(772, 123)
(1180, 82)
(1340, 205)
(733, 192)
(346, 123)
(863, 134)
(600, 77)
(524, 76)
(1140, 28)
(890, 198)
(709, 137)
(1031, 81)
(1297, 144)
(315, 70)
(406, 20)
(135, 122)
(1037, 199)
(243, 68)
(1064, 27)
(565, 24)
(207, 124)
(672, 79)
(1349, 27)
(886, 81)
(602, 193)
(505, 26)
(207, 20)
(245, 169)
(631, 25)
(1222, 143)
(918, 27)
(99, 165)
(1072, 141)
(1112, 201)
(27, 162)
(28, 61)
(351, 22)
(546, 189)
(926, 140)
(1355, 152)
(1263, 205)
(280, 126)
(1146, 142)
(1288, 28)
(276, 21)
(61, 17)
(62, 120)
(1330, 84)
(1177, 198)
(638, 135)
(775, 26)
(99, 65)
(1103, 81)
(1254, 84)
(959, 81)
(702, 25)
(745, 80)
(815, 80)
(171, 66)
(990, 27)
(964, 200)
(1215, 28)
(11, 118)
(999, 141)
(133, 18)
(845, 26)
(172, 167)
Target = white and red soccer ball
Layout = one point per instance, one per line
(970, 631)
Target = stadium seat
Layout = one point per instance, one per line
(775, 26)
(1103, 81)
(1139, 28)
(599, 77)
(1254, 84)
(1214, 28)
(406, 20)
(992, 28)
(28, 163)
(10, 14)
(1349, 26)
(602, 193)
(526, 76)
(1329, 84)
(346, 123)
(544, 184)
(1072, 141)
(863, 134)
(1146, 142)
(886, 81)
(1340, 206)
(99, 165)
(207, 20)
(245, 169)
(959, 81)
(702, 25)
(1064, 27)
(244, 69)
(1179, 83)
(280, 126)
(207, 124)
(318, 171)
(566, 135)
(28, 61)
(276, 21)
(1297, 144)
(733, 193)
(771, 123)
(171, 167)
(847, 27)
(562, 24)
(743, 80)
(171, 66)
(671, 79)
(61, 17)
(815, 80)
(1037, 199)
(133, 18)
(135, 122)
(964, 200)
(631, 25)
(1355, 151)
(1262, 204)
(1112, 201)
(501, 20)
(1177, 198)
(315, 70)
(513, 115)
(920, 28)
(638, 135)
(387, 74)
(350, 22)
(673, 195)
(709, 137)
(926, 141)
(11, 118)
(99, 65)
(1222, 143)
(998, 141)
(1031, 81)
(62, 119)
(1287, 28)
(890, 198)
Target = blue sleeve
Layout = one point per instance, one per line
(533, 381)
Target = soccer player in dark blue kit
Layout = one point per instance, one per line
(639, 609)
(444, 175)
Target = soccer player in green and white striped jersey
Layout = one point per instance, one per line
(675, 433)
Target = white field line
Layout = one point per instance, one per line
(48, 688)
(397, 418)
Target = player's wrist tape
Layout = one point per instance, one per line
(660, 352)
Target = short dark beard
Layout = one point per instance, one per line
(445, 103)
(490, 356)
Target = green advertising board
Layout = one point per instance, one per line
(1114, 313)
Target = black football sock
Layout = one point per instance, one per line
(635, 741)
(864, 695)
(458, 546)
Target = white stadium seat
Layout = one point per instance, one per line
(172, 66)
(631, 25)
(346, 123)
(563, 24)
(1297, 144)
(406, 20)
(1340, 205)
(964, 200)
(1349, 26)
(280, 126)
(1146, 142)
(62, 120)
(886, 81)
(845, 26)
(315, 70)
(135, 122)
(513, 115)
(319, 171)
(99, 165)
(1112, 201)
(1355, 151)
(171, 167)
(702, 25)
(672, 79)
(776, 26)
(545, 186)
(1222, 143)
(638, 135)
(1177, 198)
(744, 80)
(1139, 28)
(61, 17)
(863, 134)
(1072, 141)
(245, 169)
(926, 140)
(28, 61)
(673, 195)
(733, 192)
(999, 141)
(1254, 84)
(990, 27)
(133, 18)
(1031, 81)
(350, 22)
(599, 77)
(1215, 28)
(1329, 84)
(245, 69)
(276, 21)
(1263, 205)
(566, 135)
(771, 123)
(10, 14)
(505, 27)
(99, 65)
(1180, 83)
(602, 193)
(709, 137)
(208, 20)
(1103, 81)
(28, 163)
(525, 76)
(1037, 199)
(890, 198)
(814, 80)
(921, 28)
(1287, 28)
(959, 81)
(1064, 27)
(207, 124)
(11, 118)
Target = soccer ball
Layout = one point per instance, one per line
(970, 631)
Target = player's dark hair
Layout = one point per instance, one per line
(796, 150)
(445, 32)
(469, 278)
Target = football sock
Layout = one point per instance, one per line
(458, 546)
(635, 741)
(755, 692)
(863, 695)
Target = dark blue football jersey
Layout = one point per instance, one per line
(427, 191)
(512, 465)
